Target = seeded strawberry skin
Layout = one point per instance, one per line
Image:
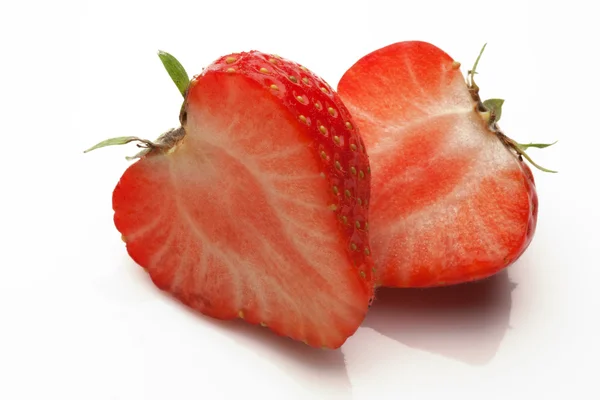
(412, 105)
(336, 141)
(326, 128)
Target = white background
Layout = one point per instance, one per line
(79, 320)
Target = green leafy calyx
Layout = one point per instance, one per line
(491, 111)
(168, 139)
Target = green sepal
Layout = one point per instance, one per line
(117, 141)
(526, 156)
(473, 71)
(495, 107)
(175, 70)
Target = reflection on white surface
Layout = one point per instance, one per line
(306, 367)
(296, 369)
(466, 322)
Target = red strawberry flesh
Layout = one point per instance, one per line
(256, 212)
(450, 201)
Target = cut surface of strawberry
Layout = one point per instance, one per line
(452, 200)
(256, 208)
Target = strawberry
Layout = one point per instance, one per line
(452, 199)
(256, 207)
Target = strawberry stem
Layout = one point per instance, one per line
(175, 70)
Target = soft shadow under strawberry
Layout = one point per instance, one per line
(323, 370)
(466, 322)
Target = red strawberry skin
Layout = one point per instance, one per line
(258, 208)
(450, 202)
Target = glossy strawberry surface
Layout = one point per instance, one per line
(451, 202)
(258, 207)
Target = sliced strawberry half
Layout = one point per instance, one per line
(256, 207)
(452, 200)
